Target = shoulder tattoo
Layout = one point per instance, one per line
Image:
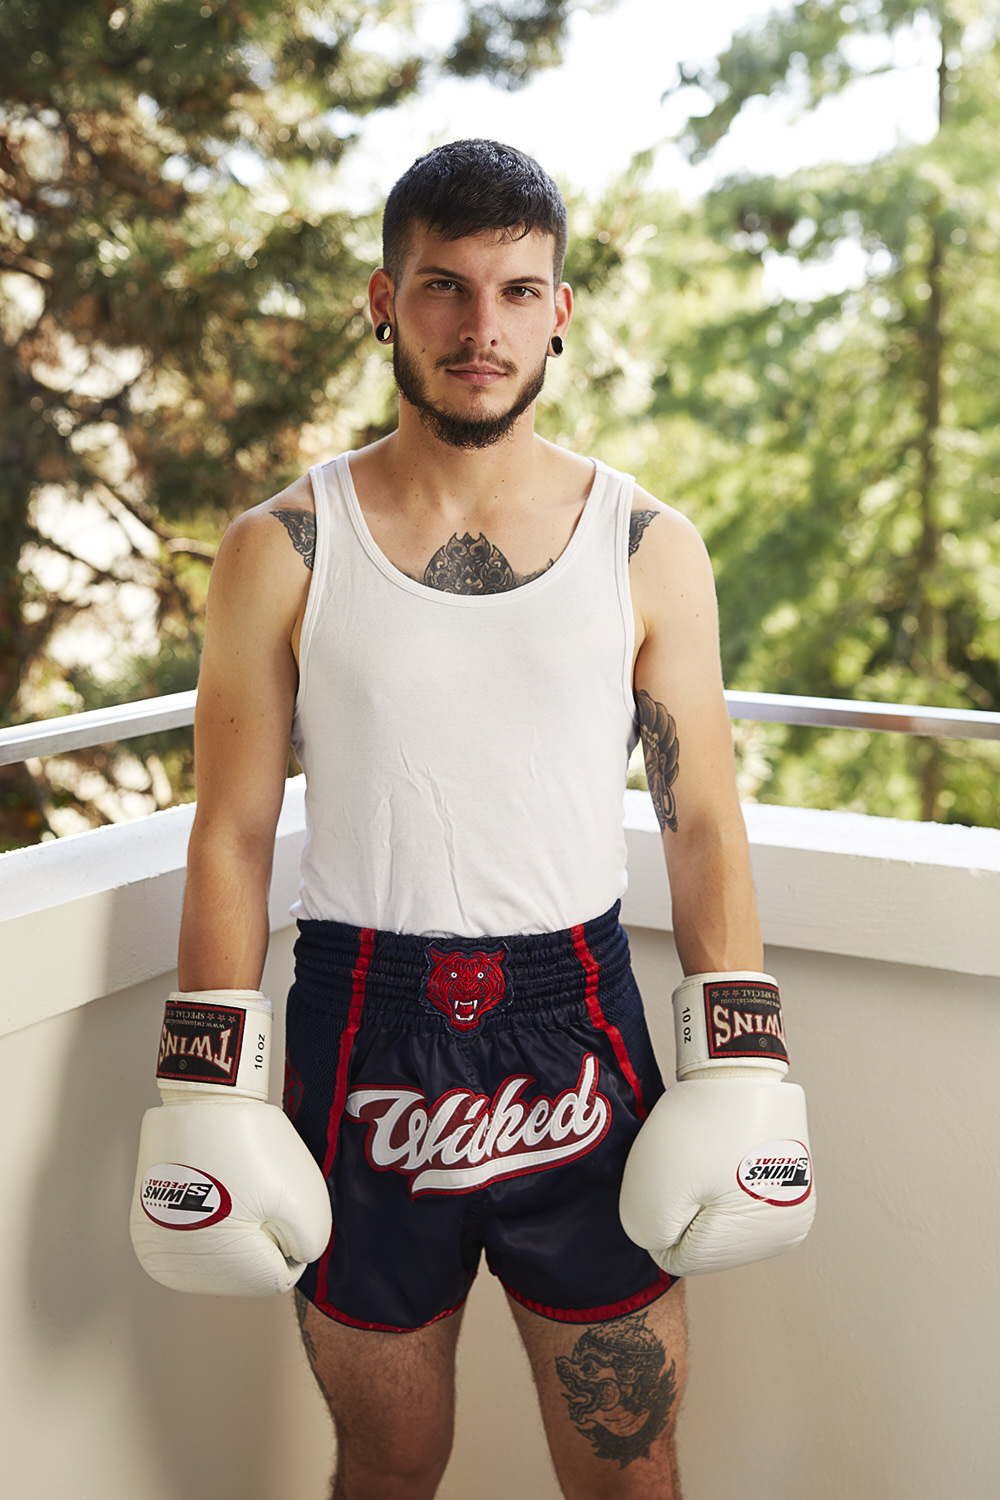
(473, 565)
(301, 527)
(638, 521)
(618, 1388)
(661, 752)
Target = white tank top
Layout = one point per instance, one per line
(465, 755)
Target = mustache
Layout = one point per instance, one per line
(462, 361)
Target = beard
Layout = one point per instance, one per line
(461, 431)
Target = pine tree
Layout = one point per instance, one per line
(181, 317)
(848, 447)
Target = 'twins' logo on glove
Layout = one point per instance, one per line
(201, 1043)
(743, 1019)
(779, 1173)
(179, 1197)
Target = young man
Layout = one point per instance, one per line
(462, 628)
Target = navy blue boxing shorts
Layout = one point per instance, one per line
(463, 1096)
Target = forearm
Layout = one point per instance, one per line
(225, 927)
(716, 925)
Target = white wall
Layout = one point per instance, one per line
(862, 1366)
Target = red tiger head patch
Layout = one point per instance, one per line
(465, 983)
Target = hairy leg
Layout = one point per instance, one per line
(609, 1394)
(392, 1400)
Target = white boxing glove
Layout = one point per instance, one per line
(228, 1199)
(720, 1172)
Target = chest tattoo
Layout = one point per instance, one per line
(301, 527)
(638, 521)
(472, 565)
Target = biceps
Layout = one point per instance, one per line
(661, 752)
(242, 725)
(684, 723)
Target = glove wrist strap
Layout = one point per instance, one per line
(726, 1022)
(216, 1044)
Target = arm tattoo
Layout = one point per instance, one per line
(661, 751)
(638, 521)
(301, 527)
(472, 565)
(618, 1388)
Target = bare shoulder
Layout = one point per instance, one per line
(670, 574)
(261, 574)
(295, 511)
(660, 536)
(280, 531)
(296, 496)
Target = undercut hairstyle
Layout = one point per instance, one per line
(471, 187)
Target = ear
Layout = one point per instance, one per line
(564, 308)
(380, 297)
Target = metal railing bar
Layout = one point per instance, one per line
(99, 726)
(176, 710)
(837, 713)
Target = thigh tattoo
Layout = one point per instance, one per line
(618, 1388)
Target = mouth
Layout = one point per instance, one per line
(476, 375)
(483, 371)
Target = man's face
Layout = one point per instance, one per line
(472, 321)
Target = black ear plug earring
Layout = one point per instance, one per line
(556, 345)
(383, 332)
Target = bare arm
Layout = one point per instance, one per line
(687, 745)
(246, 695)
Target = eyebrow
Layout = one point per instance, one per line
(457, 276)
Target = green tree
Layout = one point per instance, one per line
(181, 317)
(843, 452)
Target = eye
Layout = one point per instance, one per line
(442, 285)
(521, 293)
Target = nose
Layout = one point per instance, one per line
(479, 321)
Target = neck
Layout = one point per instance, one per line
(424, 467)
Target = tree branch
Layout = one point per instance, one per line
(158, 193)
(186, 546)
(99, 574)
(26, 266)
(144, 514)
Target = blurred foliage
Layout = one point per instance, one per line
(183, 316)
(182, 313)
(841, 453)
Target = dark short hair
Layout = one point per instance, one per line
(469, 187)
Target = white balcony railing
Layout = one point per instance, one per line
(884, 936)
(176, 710)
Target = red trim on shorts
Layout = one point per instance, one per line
(592, 970)
(341, 1317)
(359, 978)
(662, 1284)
